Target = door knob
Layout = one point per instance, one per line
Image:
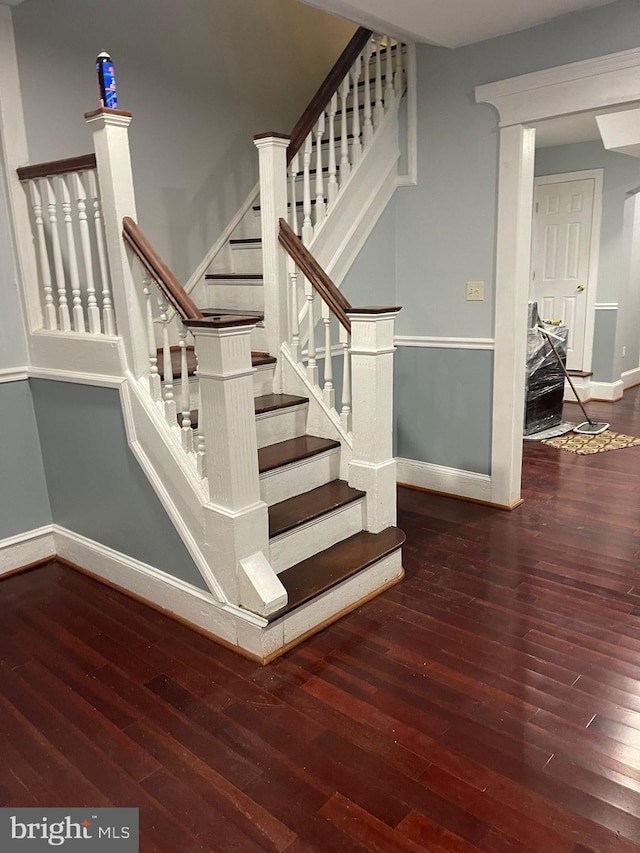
(580, 288)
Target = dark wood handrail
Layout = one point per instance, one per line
(173, 291)
(57, 167)
(327, 89)
(337, 301)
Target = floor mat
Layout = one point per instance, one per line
(584, 444)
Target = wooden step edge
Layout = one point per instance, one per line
(260, 358)
(294, 512)
(252, 241)
(292, 450)
(233, 276)
(258, 316)
(273, 402)
(580, 374)
(320, 573)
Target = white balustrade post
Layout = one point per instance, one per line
(272, 152)
(238, 526)
(111, 143)
(373, 467)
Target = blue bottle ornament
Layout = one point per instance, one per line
(106, 81)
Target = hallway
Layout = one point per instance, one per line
(489, 702)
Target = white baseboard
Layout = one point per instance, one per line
(439, 478)
(13, 374)
(608, 391)
(630, 378)
(27, 548)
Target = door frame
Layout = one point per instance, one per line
(521, 102)
(594, 248)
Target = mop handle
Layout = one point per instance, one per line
(566, 375)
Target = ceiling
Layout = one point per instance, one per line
(451, 23)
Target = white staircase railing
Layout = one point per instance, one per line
(68, 232)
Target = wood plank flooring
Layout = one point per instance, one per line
(489, 702)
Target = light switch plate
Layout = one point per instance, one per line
(475, 291)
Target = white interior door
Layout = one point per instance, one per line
(560, 256)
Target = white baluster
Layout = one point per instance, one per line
(186, 431)
(93, 311)
(378, 110)
(367, 130)
(108, 316)
(50, 319)
(332, 188)
(72, 257)
(355, 118)
(328, 391)
(58, 265)
(398, 79)
(320, 203)
(155, 389)
(345, 166)
(170, 409)
(388, 81)
(307, 227)
(312, 364)
(201, 451)
(294, 168)
(345, 413)
(292, 271)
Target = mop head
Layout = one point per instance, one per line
(591, 428)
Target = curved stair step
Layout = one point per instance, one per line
(325, 570)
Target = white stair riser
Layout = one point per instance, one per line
(263, 380)
(303, 542)
(281, 425)
(246, 258)
(240, 297)
(299, 477)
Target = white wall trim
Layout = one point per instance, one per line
(26, 548)
(436, 342)
(440, 478)
(609, 391)
(76, 376)
(13, 374)
(521, 101)
(630, 378)
(606, 306)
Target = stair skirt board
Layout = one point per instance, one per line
(234, 628)
(290, 480)
(310, 618)
(281, 424)
(321, 533)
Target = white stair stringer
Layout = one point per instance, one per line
(206, 530)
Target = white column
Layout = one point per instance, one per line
(111, 141)
(272, 151)
(237, 525)
(373, 467)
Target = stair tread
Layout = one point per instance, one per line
(292, 450)
(254, 241)
(233, 276)
(272, 402)
(293, 512)
(229, 312)
(327, 569)
(257, 358)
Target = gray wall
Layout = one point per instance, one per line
(24, 504)
(13, 350)
(201, 78)
(96, 486)
(446, 226)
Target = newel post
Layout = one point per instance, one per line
(272, 153)
(113, 159)
(237, 528)
(373, 466)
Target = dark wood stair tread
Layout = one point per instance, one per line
(258, 316)
(257, 359)
(327, 569)
(273, 402)
(251, 241)
(580, 374)
(308, 506)
(233, 276)
(292, 450)
(265, 403)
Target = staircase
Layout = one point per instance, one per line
(270, 450)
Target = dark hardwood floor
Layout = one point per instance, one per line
(489, 702)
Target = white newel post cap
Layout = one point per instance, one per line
(372, 329)
(104, 116)
(271, 139)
